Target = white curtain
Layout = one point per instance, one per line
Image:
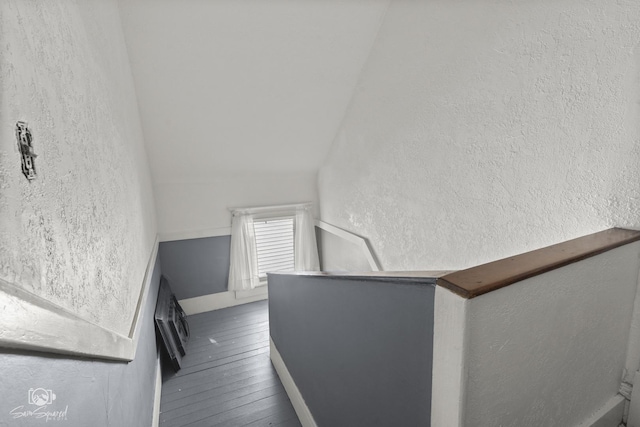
(306, 249)
(243, 270)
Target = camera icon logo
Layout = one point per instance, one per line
(41, 397)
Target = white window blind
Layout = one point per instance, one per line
(274, 245)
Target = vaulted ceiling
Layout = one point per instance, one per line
(242, 86)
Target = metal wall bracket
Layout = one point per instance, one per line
(23, 135)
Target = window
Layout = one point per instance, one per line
(269, 240)
(274, 245)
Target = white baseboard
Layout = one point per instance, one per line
(299, 405)
(262, 290)
(221, 300)
(155, 421)
(610, 415)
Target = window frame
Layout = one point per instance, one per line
(238, 276)
(274, 217)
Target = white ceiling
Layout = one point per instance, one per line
(238, 86)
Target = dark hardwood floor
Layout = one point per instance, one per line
(227, 378)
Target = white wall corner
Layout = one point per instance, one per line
(449, 361)
(299, 405)
(138, 322)
(632, 364)
(633, 419)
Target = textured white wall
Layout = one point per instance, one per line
(550, 350)
(240, 100)
(484, 128)
(81, 234)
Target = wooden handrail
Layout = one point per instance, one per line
(485, 278)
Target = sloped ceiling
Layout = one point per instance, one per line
(241, 86)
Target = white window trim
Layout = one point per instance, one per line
(258, 211)
(305, 257)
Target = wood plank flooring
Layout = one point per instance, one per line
(227, 378)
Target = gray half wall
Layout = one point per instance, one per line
(196, 267)
(96, 393)
(360, 351)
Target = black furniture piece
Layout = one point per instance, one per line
(171, 323)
